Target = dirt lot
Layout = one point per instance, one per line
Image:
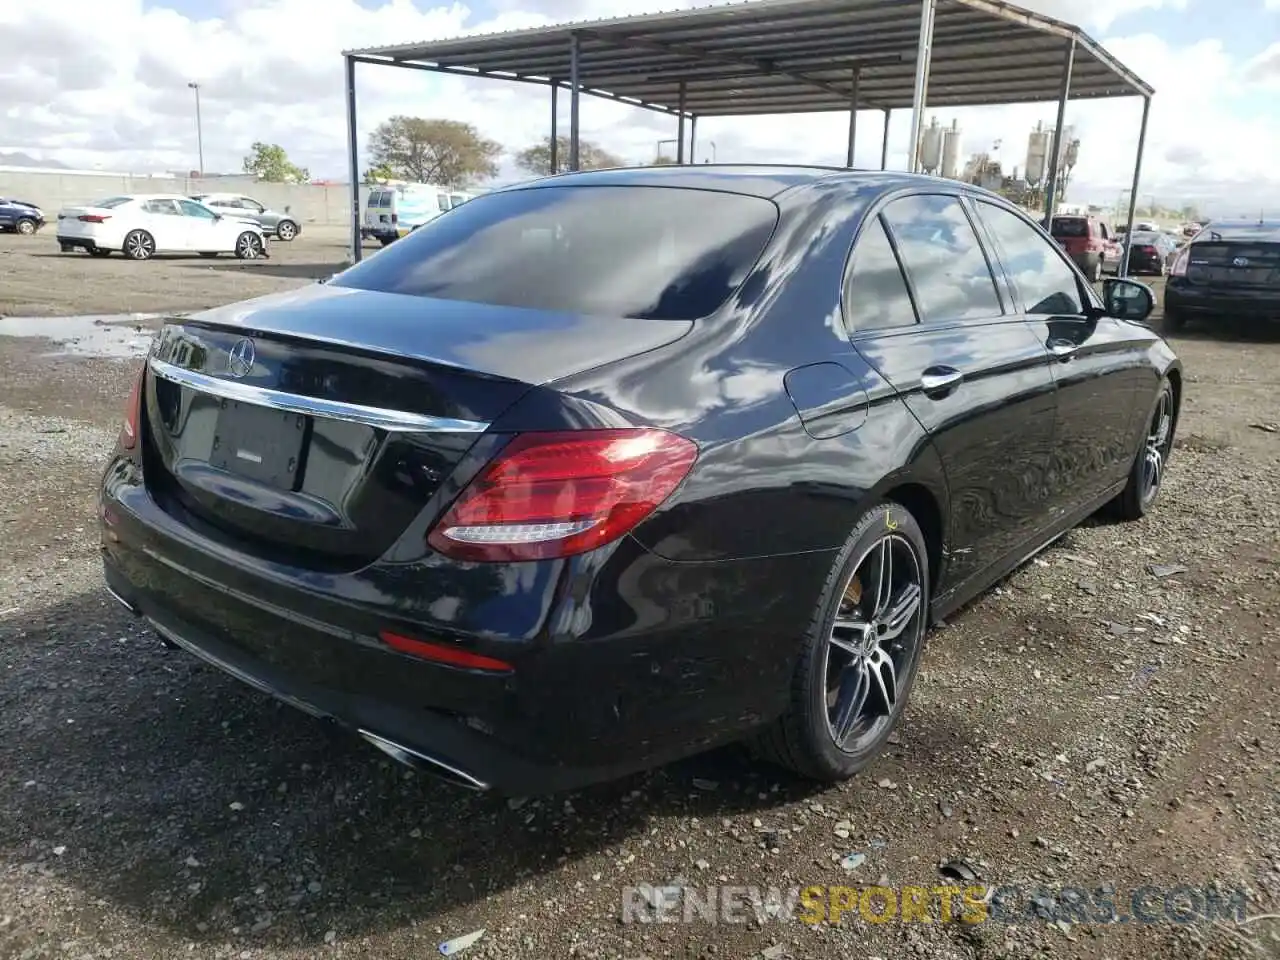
(37, 280)
(1087, 722)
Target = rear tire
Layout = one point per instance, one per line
(842, 710)
(66, 247)
(286, 230)
(1175, 322)
(1146, 476)
(26, 226)
(99, 251)
(1095, 272)
(208, 253)
(139, 245)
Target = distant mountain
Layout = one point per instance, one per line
(23, 160)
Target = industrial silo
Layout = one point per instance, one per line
(931, 147)
(951, 150)
(1037, 154)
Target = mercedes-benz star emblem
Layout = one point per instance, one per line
(1240, 262)
(240, 359)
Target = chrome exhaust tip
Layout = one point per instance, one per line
(427, 764)
(122, 601)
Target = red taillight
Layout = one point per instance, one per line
(441, 653)
(1145, 249)
(1179, 268)
(132, 414)
(549, 495)
(94, 217)
(395, 218)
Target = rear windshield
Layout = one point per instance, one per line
(655, 252)
(1247, 232)
(1144, 237)
(1070, 227)
(111, 202)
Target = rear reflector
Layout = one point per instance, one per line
(549, 495)
(94, 217)
(132, 414)
(442, 653)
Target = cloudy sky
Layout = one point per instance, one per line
(103, 84)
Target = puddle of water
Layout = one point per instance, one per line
(121, 336)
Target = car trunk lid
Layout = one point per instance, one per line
(1234, 263)
(313, 427)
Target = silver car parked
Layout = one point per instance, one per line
(282, 226)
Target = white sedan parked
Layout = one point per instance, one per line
(143, 225)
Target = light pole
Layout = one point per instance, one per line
(199, 128)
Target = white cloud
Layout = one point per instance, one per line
(103, 83)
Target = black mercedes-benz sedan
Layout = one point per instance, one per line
(605, 469)
(1229, 270)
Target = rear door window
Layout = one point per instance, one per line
(875, 292)
(1035, 268)
(943, 259)
(656, 252)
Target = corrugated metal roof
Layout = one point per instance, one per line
(791, 56)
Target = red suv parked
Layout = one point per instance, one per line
(1089, 242)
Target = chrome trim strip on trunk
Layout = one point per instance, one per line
(378, 417)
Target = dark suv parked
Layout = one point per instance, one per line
(18, 216)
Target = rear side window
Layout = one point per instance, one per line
(1041, 277)
(942, 256)
(655, 252)
(442, 201)
(875, 293)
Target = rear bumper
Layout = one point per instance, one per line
(622, 662)
(1198, 300)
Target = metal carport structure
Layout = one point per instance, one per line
(788, 56)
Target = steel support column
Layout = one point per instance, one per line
(680, 127)
(924, 55)
(353, 161)
(693, 134)
(1051, 190)
(575, 94)
(853, 114)
(555, 134)
(884, 144)
(1133, 194)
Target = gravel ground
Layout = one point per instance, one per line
(1088, 721)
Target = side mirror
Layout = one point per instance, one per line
(1127, 299)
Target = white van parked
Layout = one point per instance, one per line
(395, 209)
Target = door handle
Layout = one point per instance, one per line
(937, 382)
(1063, 350)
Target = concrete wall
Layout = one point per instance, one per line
(52, 189)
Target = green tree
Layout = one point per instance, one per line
(379, 174)
(662, 160)
(268, 161)
(537, 158)
(448, 152)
